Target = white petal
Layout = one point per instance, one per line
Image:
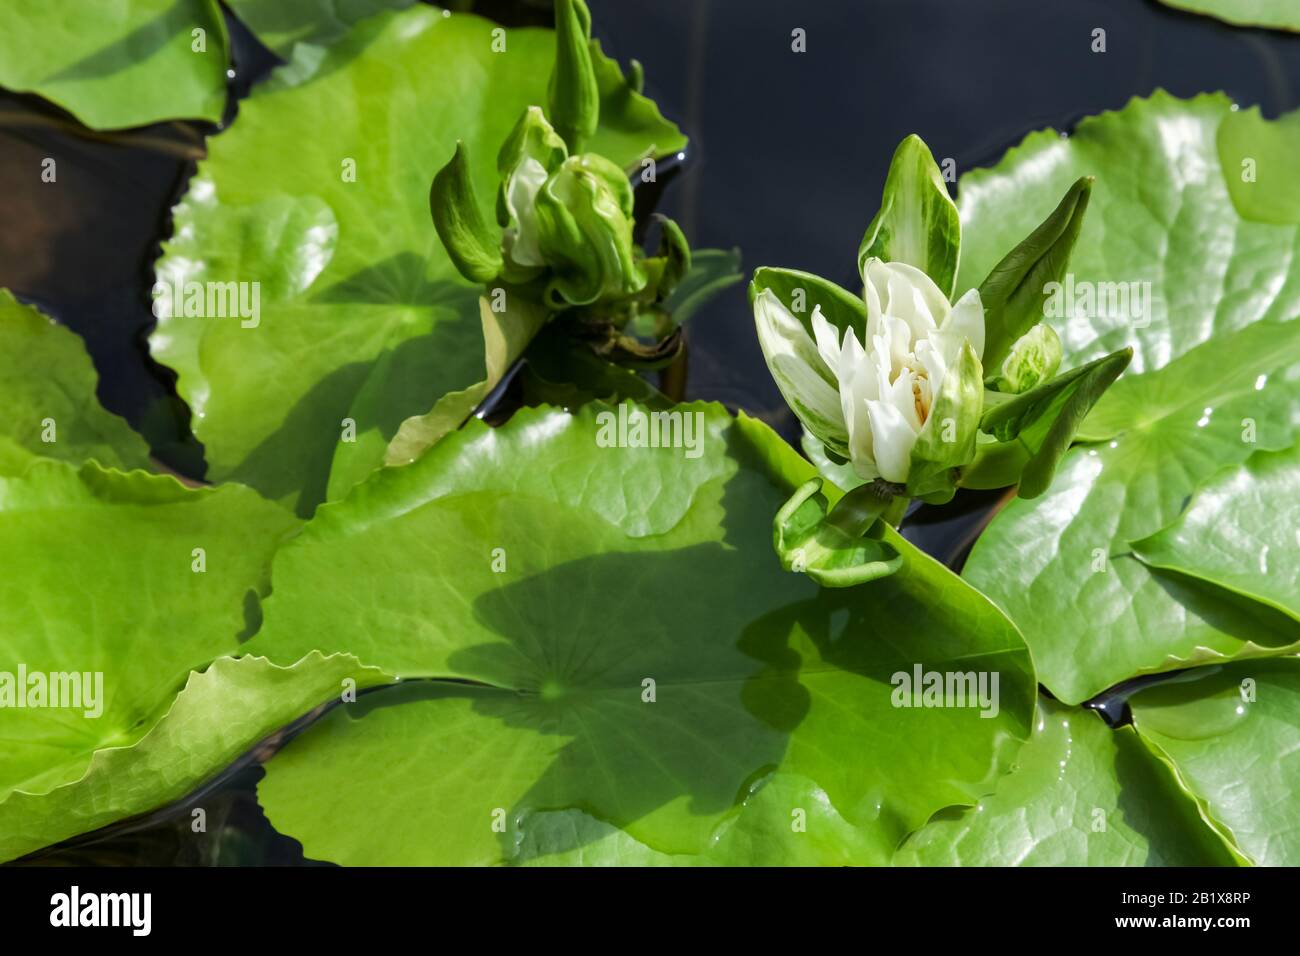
(902, 397)
(965, 323)
(892, 440)
(858, 383)
(933, 303)
(521, 198)
(827, 340)
(931, 359)
(900, 344)
(882, 361)
(872, 293)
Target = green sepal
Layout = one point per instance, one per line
(676, 253)
(532, 138)
(472, 244)
(918, 221)
(837, 547)
(1045, 419)
(1013, 293)
(947, 440)
(802, 292)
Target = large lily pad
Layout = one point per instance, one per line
(541, 580)
(1218, 379)
(102, 574)
(1241, 532)
(120, 64)
(1160, 212)
(362, 315)
(1080, 794)
(47, 391)
(222, 711)
(1230, 734)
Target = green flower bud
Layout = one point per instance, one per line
(1033, 359)
(583, 218)
(574, 92)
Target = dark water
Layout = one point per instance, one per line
(788, 156)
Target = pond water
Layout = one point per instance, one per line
(787, 159)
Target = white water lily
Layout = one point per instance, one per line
(871, 400)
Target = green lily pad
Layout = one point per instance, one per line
(1241, 532)
(363, 321)
(132, 577)
(221, 712)
(114, 65)
(1257, 157)
(607, 630)
(281, 24)
(1230, 734)
(1080, 794)
(1279, 14)
(47, 390)
(785, 820)
(1160, 212)
(1215, 377)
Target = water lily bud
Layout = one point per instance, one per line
(907, 394)
(583, 218)
(574, 92)
(1034, 358)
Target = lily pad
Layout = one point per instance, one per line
(785, 820)
(1215, 377)
(576, 611)
(114, 65)
(1080, 794)
(1280, 14)
(221, 712)
(47, 390)
(281, 24)
(362, 317)
(132, 577)
(1160, 213)
(1241, 532)
(1230, 734)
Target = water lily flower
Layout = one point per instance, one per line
(908, 391)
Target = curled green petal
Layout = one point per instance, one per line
(532, 138)
(837, 547)
(676, 253)
(584, 232)
(471, 243)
